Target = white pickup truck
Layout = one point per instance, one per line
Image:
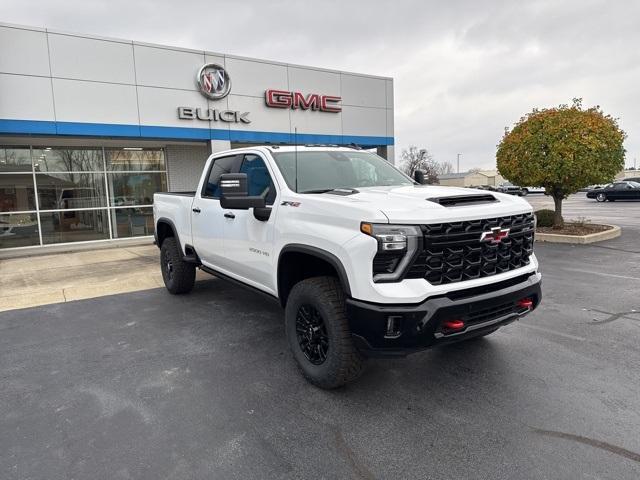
(364, 260)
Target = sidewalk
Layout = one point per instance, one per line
(40, 280)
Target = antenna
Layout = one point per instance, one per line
(295, 144)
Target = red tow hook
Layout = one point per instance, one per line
(451, 326)
(525, 303)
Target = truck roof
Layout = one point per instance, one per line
(301, 148)
(293, 148)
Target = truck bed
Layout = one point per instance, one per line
(175, 207)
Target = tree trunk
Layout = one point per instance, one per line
(558, 222)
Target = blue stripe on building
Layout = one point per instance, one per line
(37, 127)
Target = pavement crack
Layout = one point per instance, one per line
(623, 452)
(616, 249)
(613, 316)
(358, 468)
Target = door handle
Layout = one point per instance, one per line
(196, 210)
(229, 215)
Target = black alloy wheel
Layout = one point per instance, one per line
(312, 334)
(318, 333)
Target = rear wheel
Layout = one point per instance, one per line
(318, 333)
(179, 276)
(601, 197)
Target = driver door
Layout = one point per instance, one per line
(249, 241)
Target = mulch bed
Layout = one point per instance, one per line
(575, 229)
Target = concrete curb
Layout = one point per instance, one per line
(613, 232)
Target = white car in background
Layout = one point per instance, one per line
(532, 190)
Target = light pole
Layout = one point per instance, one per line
(459, 155)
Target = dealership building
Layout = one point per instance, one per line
(91, 127)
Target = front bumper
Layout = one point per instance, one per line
(420, 326)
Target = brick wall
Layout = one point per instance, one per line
(184, 166)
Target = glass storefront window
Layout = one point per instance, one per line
(74, 226)
(134, 159)
(18, 230)
(132, 222)
(60, 195)
(70, 190)
(17, 159)
(67, 159)
(134, 188)
(16, 192)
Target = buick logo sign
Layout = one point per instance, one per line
(214, 81)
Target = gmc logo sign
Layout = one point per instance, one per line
(296, 100)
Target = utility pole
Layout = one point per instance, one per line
(459, 162)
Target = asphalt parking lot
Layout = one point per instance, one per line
(148, 385)
(624, 214)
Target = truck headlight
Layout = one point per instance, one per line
(397, 246)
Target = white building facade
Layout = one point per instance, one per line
(91, 127)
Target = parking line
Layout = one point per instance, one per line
(579, 270)
(553, 332)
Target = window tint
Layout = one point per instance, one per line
(620, 186)
(219, 167)
(258, 178)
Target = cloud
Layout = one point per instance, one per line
(463, 70)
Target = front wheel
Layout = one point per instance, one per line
(601, 197)
(178, 275)
(318, 333)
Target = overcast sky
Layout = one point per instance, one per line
(463, 70)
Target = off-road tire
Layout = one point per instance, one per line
(343, 362)
(179, 276)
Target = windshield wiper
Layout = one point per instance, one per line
(337, 191)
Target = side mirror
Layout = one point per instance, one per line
(418, 176)
(234, 194)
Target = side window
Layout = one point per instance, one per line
(220, 165)
(258, 178)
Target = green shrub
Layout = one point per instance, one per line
(545, 217)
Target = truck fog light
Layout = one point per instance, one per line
(394, 326)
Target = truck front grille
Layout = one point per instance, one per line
(453, 252)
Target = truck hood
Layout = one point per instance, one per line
(420, 203)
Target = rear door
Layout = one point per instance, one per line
(249, 241)
(207, 217)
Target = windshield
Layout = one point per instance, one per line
(328, 170)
